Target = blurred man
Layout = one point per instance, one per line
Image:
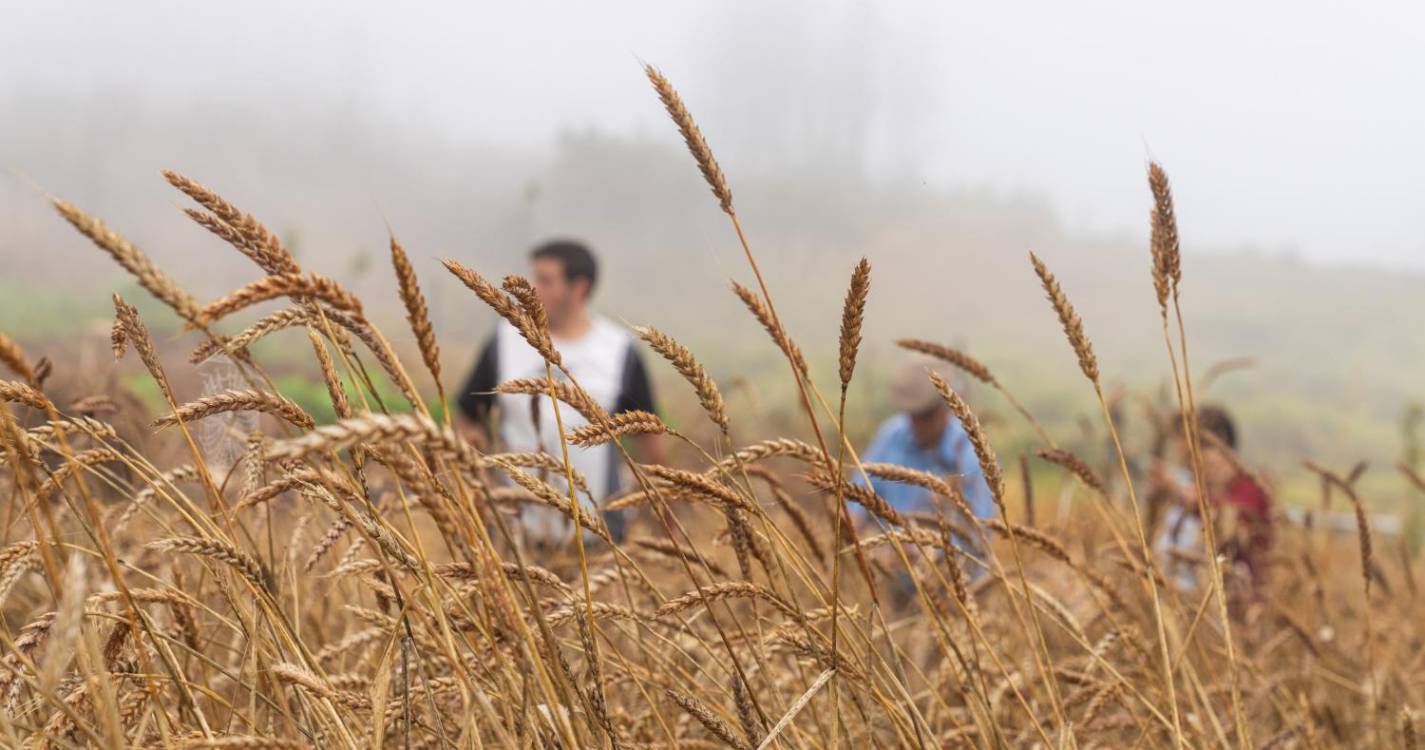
(599, 355)
(1248, 520)
(924, 435)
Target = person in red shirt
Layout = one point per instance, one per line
(1242, 506)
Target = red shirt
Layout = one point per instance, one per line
(1254, 515)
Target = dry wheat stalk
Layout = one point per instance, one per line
(710, 721)
(857, 493)
(83, 425)
(373, 429)
(271, 323)
(218, 550)
(497, 300)
(29, 640)
(853, 313)
(1074, 465)
(357, 326)
(295, 675)
(518, 304)
(692, 371)
(21, 393)
(238, 400)
(296, 286)
(416, 312)
(545, 494)
(538, 460)
(989, 466)
(770, 448)
(241, 742)
(677, 551)
(692, 136)
(936, 485)
(136, 334)
(1073, 327)
(13, 357)
(1167, 257)
(132, 259)
(623, 424)
(94, 404)
(257, 242)
(336, 390)
(702, 486)
(534, 324)
(515, 572)
(953, 356)
(564, 390)
(763, 313)
(226, 233)
(600, 611)
(1363, 527)
(73, 464)
(301, 478)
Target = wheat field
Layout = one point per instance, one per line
(363, 584)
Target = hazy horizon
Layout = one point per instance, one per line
(1062, 104)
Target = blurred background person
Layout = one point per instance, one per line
(1245, 534)
(925, 436)
(601, 357)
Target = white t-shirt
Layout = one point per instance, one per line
(605, 363)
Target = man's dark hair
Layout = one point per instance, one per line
(1215, 420)
(576, 258)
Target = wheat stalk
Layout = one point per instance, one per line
(763, 313)
(218, 550)
(13, 357)
(238, 400)
(1076, 466)
(692, 371)
(623, 424)
(1167, 258)
(692, 137)
(292, 285)
(534, 324)
(132, 259)
(853, 313)
(242, 230)
(23, 393)
(1073, 326)
(955, 357)
(271, 323)
(416, 312)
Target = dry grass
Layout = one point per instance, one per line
(365, 584)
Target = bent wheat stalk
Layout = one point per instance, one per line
(238, 400)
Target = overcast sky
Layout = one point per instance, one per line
(1285, 125)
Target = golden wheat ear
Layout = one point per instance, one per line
(853, 314)
(133, 260)
(1068, 318)
(692, 136)
(417, 314)
(1167, 256)
(235, 227)
(692, 371)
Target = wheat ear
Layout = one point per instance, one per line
(692, 136)
(416, 312)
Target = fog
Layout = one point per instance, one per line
(1289, 127)
(942, 141)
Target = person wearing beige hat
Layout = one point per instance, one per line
(925, 435)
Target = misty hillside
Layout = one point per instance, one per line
(1334, 346)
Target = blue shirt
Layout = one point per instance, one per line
(895, 443)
